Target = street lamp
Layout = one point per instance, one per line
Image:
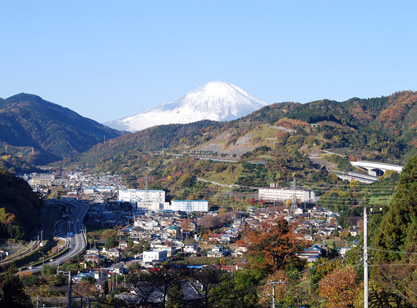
(43, 263)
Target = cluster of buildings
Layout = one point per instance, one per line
(79, 185)
(165, 228)
(160, 223)
(154, 201)
(105, 187)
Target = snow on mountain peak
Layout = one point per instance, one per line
(218, 101)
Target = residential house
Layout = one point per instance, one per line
(119, 268)
(155, 255)
(191, 248)
(174, 232)
(215, 237)
(111, 253)
(240, 251)
(217, 252)
(93, 255)
(311, 254)
(122, 245)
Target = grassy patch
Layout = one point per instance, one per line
(380, 200)
(228, 176)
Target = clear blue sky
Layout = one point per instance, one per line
(111, 59)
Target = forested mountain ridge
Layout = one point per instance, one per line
(377, 128)
(280, 138)
(19, 206)
(40, 132)
(394, 114)
(181, 137)
(157, 138)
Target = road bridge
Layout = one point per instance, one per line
(350, 176)
(376, 169)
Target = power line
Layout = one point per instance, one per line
(393, 242)
(390, 264)
(390, 251)
(319, 265)
(351, 267)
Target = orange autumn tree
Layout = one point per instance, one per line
(273, 244)
(339, 288)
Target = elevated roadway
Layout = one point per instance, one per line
(376, 169)
(73, 231)
(349, 176)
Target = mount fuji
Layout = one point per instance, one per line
(217, 101)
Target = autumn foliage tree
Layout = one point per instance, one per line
(339, 288)
(273, 245)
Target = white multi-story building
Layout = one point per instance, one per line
(148, 199)
(157, 255)
(42, 180)
(286, 193)
(189, 205)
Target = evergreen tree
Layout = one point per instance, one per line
(398, 229)
(175, 297)
(14, 295)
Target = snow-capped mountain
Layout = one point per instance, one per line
(218, 101)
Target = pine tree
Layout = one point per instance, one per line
(398, 229)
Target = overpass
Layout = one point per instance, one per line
(376, 169)
(350, 176)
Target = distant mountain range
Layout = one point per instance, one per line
(41, 132)
(216, 101)
(382, 128)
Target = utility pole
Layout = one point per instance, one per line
(272, 283)
(69, 289)
(365, 258)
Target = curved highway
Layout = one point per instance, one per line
(73, 231)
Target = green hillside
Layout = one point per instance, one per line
(40, 132)
(269, 145)
(19, 205)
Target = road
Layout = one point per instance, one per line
(225, 185)
(77, 242)
(349, 176)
